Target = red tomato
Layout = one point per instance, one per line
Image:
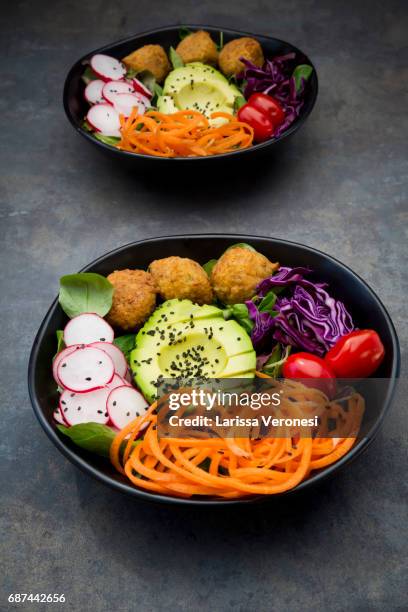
(306, 365)
(258, 120)
(267, 105)
(356, 355)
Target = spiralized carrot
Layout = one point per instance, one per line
(228, 468)
(186, 133)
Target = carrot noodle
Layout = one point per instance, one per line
(186, 133)
(230, 468)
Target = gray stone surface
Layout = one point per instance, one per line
(339, 185)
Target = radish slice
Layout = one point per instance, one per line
(57, 361)
(107, 68)
(87, 328)
(57, 416)
(117, 381)
(111, 88)
(85, 407)
(93, 92)
(139, 87)
(104, 119)
(118, 358)
(124, 103)
(85, 369)
(124, 405)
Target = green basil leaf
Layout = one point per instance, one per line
(208, 267)
(301, 73)
(221, 41)
(109, 140)
(242, 245)
(273, 367)
(92, 437)
(147, 78)
(85, 292)
(131, 73)
(175, 58)
(87, 126)
(268, 302)
(240, 313)
(125, 343)
(89, 75)
(184, 32)
(238, 103)
(158, 90)
(60, 342)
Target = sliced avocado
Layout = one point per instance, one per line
(198, 87)
(185, 340)
(166, 105)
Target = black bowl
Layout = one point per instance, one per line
(367, 311)
(76, 107)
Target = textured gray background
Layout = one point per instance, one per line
(339, 185)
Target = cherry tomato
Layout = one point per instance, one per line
(356, 355)
(306, 365)
(268, 105)
(260, 122)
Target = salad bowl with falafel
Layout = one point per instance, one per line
(190, 92)
(162, 310)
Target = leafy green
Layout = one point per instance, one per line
(158, 90)
(60, 342)
(240, 313)
(147, 78)
(242, 245)
(125, 343)
(221, 41)
(273, 367)
(175, 58)
(87, 126)
(89, 75)
(109, 140)
(131, 73)
(93, 437)
(209, 266)
(85, 292)
(184, 32)
(267, 303)
(301, 73)
(238, 103)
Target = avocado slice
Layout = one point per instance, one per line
(198, 87)
(185, 340)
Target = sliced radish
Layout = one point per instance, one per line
(117, 381)
(87, 328)
(93, 92)
(104, 119)
(124, 103)
(85, 407)
(85, 369)
(111, 88)
(124, 405)
(57, 361)
(118, 358)
(57, 416)
(139, 87)
(107, 68)
(128, 377)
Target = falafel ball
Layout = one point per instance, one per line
(198, 47)
(183, 278)
(152, 58)
(134, 298)
(245, 47)
(237, 273)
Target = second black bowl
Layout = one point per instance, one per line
(367, 310)
(76, 107)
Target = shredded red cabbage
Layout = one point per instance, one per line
(308, 317)
(275, 78)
